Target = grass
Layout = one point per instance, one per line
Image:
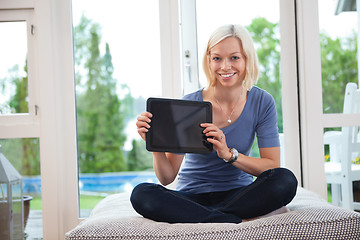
(89, 202)
(86, 202)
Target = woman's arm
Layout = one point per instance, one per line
(269, 158)
(166, 165)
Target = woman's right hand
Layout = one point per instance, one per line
(142, 124)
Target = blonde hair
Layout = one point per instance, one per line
(247, 45)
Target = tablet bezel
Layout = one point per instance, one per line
(207, 147)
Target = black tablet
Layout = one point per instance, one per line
(175, 126)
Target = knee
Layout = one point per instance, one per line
(287, 184)
(142, 198)
(139, 192)
(288, 177)
(140, 188)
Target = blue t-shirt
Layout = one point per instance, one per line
(203, 173)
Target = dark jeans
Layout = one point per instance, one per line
(271, 190)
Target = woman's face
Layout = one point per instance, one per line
(227, 62)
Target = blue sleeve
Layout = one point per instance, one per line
(195, 96)
(267, 131)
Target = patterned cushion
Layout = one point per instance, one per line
(310, 217)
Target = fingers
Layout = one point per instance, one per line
(216, 136)
(143, 120)
(142, 123)
(213, 132)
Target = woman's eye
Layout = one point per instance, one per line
(235, 58)
(216, 58)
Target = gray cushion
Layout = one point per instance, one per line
(310, 217)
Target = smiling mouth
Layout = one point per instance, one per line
(227, 75)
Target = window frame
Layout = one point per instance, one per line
(55, 123)
(23, 124)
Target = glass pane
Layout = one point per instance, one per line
(263, 24)
(338, 41)
(17, 210)
(117, 67)
(13, 72)
(342, 154)
(23, 155)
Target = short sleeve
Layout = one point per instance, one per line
(267, 131)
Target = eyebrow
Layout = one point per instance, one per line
(230, 53)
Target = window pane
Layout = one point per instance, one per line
(342, 153)
(23, 154)
(262, 23)
(13, 73)
(339, 64)
(117, 64)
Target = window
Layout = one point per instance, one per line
(24, 155)
(341, 97)
(117, 67)
(17, 94)
(55, 81)
(13, 72)
(19, 122)
(338, 41)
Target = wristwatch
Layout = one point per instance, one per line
(234, 156)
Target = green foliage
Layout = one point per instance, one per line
(267, 43)
(23, 153)
(338, 67)
(86, 202)
(99, 117)
(139, 158)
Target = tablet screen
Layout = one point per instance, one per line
(175, 126)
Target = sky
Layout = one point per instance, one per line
(132, 30)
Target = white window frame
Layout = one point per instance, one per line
(58, 154)
(51, 90)
(189, 48)
(313, 120)
(23, 124)
(311, 113)
(55, 123)
(170, 48)
(289, 83)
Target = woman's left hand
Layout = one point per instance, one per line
(217, 138)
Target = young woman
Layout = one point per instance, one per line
(219, 187)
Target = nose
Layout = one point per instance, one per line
(226, 64)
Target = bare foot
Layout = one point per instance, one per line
(250, 219)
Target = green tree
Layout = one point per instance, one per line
(139, 158)
(127, 108)
(100, 120)
(338, 67)
(267, 42)
(23, 153)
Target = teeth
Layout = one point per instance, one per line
(227, 75)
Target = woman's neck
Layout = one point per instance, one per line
(228, 94)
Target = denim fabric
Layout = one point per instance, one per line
(273, 189)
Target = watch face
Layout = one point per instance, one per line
(235, 154)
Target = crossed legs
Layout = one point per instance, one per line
(271, 190)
